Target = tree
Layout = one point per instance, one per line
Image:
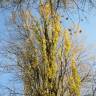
(65, 4)
(47, 54)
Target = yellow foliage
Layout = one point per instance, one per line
(52, 70)
(67, 42)
(56, 24)
(74, 79)
(45, 10)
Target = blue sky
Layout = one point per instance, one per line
(88, 26)
(5, 79)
